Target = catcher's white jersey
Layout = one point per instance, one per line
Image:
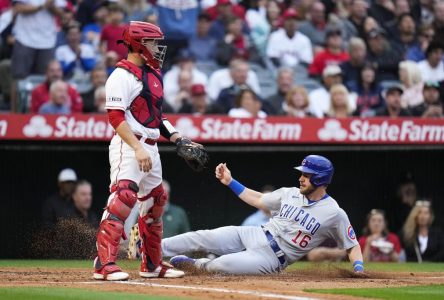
(300, 225)
(122, 88)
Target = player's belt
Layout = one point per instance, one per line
(275, 247)
(146, 140)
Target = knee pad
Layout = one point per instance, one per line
(152, 206)
(124, 199)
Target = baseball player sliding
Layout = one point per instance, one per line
(134, 96)
(301, 219)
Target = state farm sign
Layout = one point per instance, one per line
(222, 129)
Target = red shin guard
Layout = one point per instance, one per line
(108, 239)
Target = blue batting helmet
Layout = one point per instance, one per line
(320, 168)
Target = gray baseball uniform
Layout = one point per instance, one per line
(297, 225)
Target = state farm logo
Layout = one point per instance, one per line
(186, 127)
(332, 130)
(37, 127)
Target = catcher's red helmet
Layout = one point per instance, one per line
(138, 36)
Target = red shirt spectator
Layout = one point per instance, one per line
(333, 53)
(376, 255)
(40, 95)
(235, 9)
(113, 32)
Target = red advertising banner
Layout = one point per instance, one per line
(223, 129)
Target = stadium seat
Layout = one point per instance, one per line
(24, 89)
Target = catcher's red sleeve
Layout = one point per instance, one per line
(115, 117)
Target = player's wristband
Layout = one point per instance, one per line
(236, 187)
(358, 266)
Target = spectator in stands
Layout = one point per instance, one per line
(358, 52)
(285, 78)
(260, 217)
(382, 55)
(35, 33)
(59, 205)
(98, 79)
(185, 62)
(77, 59)
(113, 32)
(40, 94)
(175, 219)
(183, 95)
(383, 11)
(320, 97)
(423, 11)
(432, 106)
(273, 15)
(136, 10)
(287, 46)
(339, 106)
(92, 31)
(237, 73)
(422, 241)
(369, 24)
(417, 51)
(235, 43)
(404, 33)
(220, 13)
(202, 46)
(99, 100)
(198, 104)
(432, 68)
(178, 21)
(86, 10)
(410, 77)
(260, 28)
(315, 27)
(247, 105)
(377, 243)
(393, 107)
(438, 21)
(354, 24)
(368, 92)
(82, 199)
(66, 20)
(333, 53)
(296, 103)
(58, 99)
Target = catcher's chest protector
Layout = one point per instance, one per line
(146, 108)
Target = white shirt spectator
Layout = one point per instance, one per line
(221, 79)
(171, 86)
(320, 102)
(65, 55)
(37, 30)
(243, 113)
(431, 74)
(291, 52)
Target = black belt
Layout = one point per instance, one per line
(275, 247)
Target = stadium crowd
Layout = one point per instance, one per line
(247, 58)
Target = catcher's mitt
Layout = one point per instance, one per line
(194, 154)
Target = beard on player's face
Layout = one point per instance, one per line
(307, 189)
(305, 186)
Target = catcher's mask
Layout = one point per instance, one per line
(143, 38)
(320, 168)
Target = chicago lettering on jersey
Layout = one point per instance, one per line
(300, 216)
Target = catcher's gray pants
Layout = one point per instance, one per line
(242, 249)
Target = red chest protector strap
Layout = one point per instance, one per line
(145, 108)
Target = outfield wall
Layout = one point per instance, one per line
(365, 178)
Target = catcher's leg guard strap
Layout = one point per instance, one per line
(151, 228)
(108, 238)
(125, 198)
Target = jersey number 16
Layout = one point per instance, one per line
(304, 241)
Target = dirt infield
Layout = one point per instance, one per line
(288, 285)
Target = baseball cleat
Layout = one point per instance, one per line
(109, 272)
(183, 262)
(165, 270)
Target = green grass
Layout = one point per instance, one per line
(430, 292)
(51, 293)
(379, 267)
